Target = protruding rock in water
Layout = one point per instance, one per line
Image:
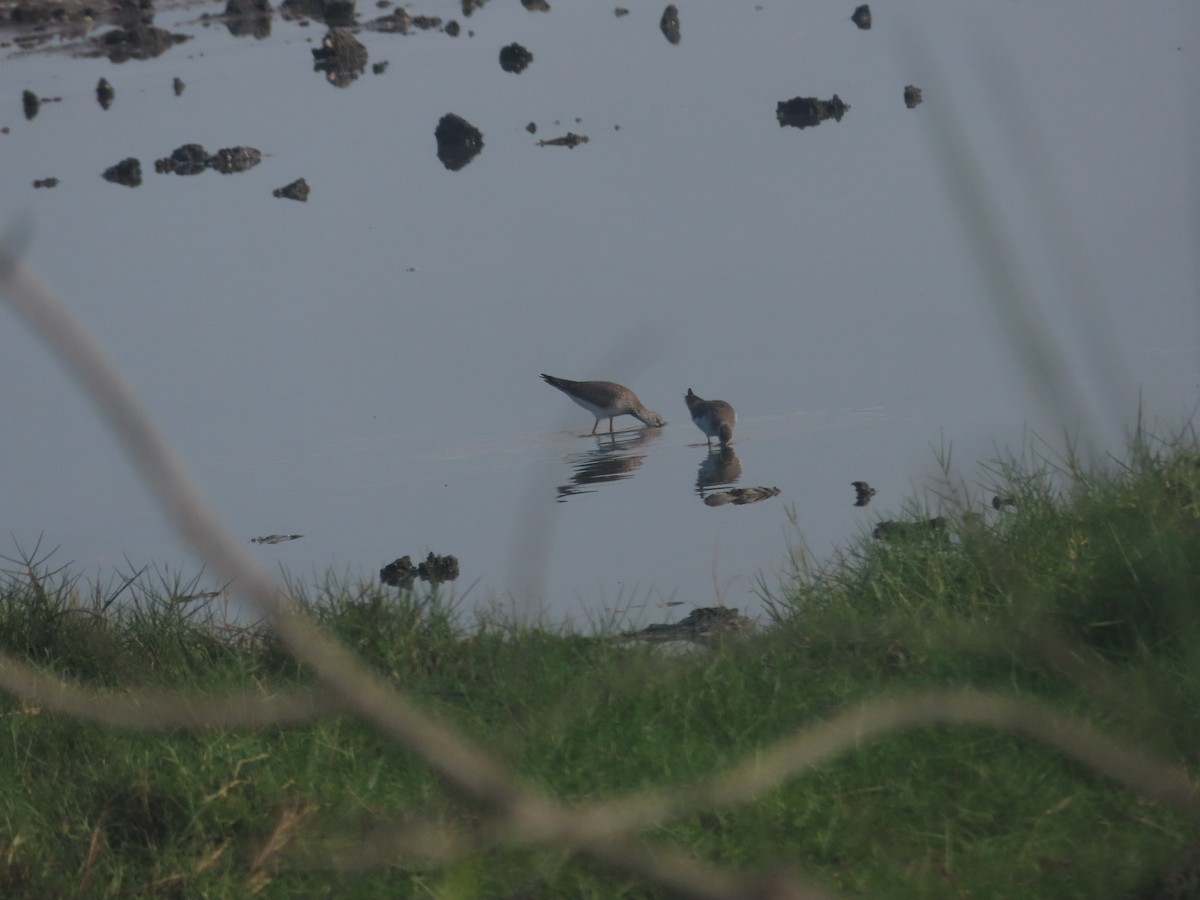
(741, 496)
(862, 17)
(669, 24)
(912, 96)
(705, 626)
(127, 172)
(297, 190)
(515, 58)
(435, 569)
(177, 85)
(45, 183)
(863, 493)
(275, 538)
(191, 159)
(104, 93)
(138, 41)
(458, 141)
(892, 532)
(30, 103)
(804, 112)
(234, 159)
(341, 57)
(248, 17)
(570, 139)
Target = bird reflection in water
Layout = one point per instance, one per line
(719, 468)
(614, 458)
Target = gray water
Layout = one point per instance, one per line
(363, 368)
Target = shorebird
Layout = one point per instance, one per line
(605, 399)
(715, 418)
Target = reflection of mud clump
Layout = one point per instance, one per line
(191, 159)
(138, 41)
(458, 141)
(570, 139)
(862, 17)
(669, 24)
(515, 58)
(30, 103)
(803, 112)
(341, 57)
(297, 190)
(45, 183)
(741, 496)
(331, 12)
(912, 96)
(127, 172)
(401, 572)
(104, 93)
(248, 17)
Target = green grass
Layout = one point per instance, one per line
(1083, 596)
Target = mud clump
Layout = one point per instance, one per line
(297, 190)
(570, 139)
(105, 93)
(669, 24)
(138, 41)
(912, 96)
(331, 12)
(862, 17)
(45, 183)
(191, 159)
(805, 112)
(30, 104)
(401, 572)
(341, 56)
(248, 17)
(458, 141)
(515, 58)
(127, 172)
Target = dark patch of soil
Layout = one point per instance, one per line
(458, 141)
(862, 17)
(912, 96)
(127, 172)
(805, 112)
(297, 190)
(669, 24)
(515, 58)
(341, 56)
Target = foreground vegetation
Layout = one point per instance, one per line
(1082, 594)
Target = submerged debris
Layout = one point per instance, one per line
(275, 538)
(401, 572)
(297, 190)
(705, 626)
(863, 493)
(341, 56)
(127, 172)
(191, 159)
(515, 58)
(458, 141)
(570, 139)
(104, 93)
(669, 24)
(804, 112)
(912, 96)
(862, 17)
(740, 496)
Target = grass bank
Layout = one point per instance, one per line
(1080, 596)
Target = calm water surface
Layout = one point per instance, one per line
(363, 368)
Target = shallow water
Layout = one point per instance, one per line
(363, 368)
